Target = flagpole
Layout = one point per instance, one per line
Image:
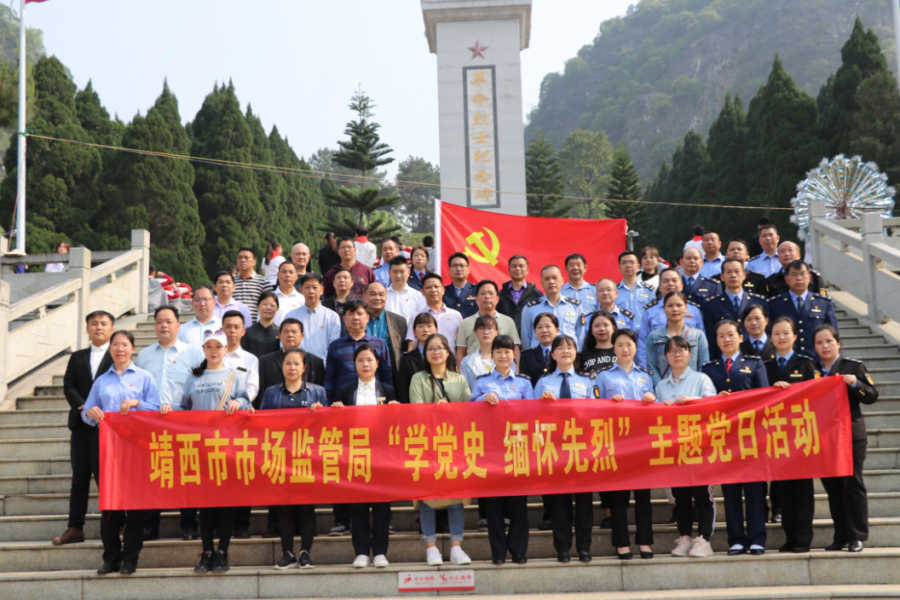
(20, 169)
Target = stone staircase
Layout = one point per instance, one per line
(35, 481)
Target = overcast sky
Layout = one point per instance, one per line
(297, 62)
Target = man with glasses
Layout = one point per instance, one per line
(607, 293)
(460, 294)
(487, 297)
(808, 309)
(634, 295)
(788, 252)
(204, 320)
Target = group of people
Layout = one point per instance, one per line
(711, 325)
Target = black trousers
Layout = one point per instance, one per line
(516, 541)
(684, 514)
(342, 514)
(745, 501)
(776, 493)
(287, 518)
(188, 518)
(643, 518)
(848, 502)
(368, 538)
(129, 547)
(798, 506)
(223, 517)
(562, 517)
(85, 455)
(482, 511)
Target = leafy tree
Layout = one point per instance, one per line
(876, 126)
(544, 180)
(9, 95)
(625, 184)
(416, 206)
(586, 158)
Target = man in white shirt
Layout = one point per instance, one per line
(244, 364)
(365, 250)
(203, 302)
(448, 320)
(322, 325)
(223, 283)
(402, 299)
(288, 297)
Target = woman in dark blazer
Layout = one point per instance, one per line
(756, 322)
(413, 361)
(847, 498)
(368, 391)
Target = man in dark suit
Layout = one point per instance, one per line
(698, 289)
(516, 293)
(808, 309)
(389, 327)
(83, 368)
(460, 294)
(730, 304)
(753, 282)
(270, 372)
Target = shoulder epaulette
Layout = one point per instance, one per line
(640, 368)
(712, 362)
(820, 295)
(574, 301)
(536, 301)
(695, 304)
(592, 375)
(855, 360)
(627, 313)
(654, 303)
(525, 376)
(786, 296)
(754, 257)
(802, 357)
(754, 295)
(753, 356)
(482, 375)
(649, 287)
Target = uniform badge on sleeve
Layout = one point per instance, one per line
(869, 379)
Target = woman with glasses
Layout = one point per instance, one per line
(681, 385)
(480, 363)
(675, 306)
(437, 383)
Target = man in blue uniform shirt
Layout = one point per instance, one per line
(655, 316)
(577, 288)
(698, 289)
(389, 249)
(568, 311)
(460, 295)
(729, 305)
(766, 263)
(634, 295)
(607, 292)
(712, 262)
(807, 309)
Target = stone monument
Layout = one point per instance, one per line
(477, 43)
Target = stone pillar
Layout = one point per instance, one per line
(477, 43)
(816, 212)
(4, 334)
(140, 240)
(80, 268)
(872, 232)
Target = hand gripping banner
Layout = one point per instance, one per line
(467, 450)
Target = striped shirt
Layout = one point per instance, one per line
(247, 291)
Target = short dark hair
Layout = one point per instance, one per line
(751, 308)
(127, 334)
(365, 348)
(152, 269)
(545, 267)
(346, 239)
(629, 333)
(549, 315)
(736, 241)
(573, 257)
(159, 309)
(626, 253)
(266, 295)
(361, 231)
(483, 321)
(289, 321)
(288, 263)
(297, 351)
(428, 241)
(395, 239)
(503, 342)
(221, 274)
(676, 341)
(309, 277)
(353, 304)
(769, 226)
(457, 255)
(398, 260)
(432, 276)
(205, 286)
(733, 260)
(820, 329)
(796, 265)
(99, 313)
(517, 257)
(485, 282)
(698, 230)
(764, 221)
(230, 314)
(710, 231)
(341, 269)
(423, 318)
(245, 249)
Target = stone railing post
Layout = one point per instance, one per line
(816, 212)
(140, 240)
(872, 232)
(4, 335)
(80, 268)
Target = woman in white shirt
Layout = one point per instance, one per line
(272, 261)
(61, 248)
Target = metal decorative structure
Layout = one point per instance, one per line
(848, 186)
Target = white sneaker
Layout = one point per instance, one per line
(682, 546)
(701, 548)
(459, 557)
(361, 562)
(434, 557)
(380, 561)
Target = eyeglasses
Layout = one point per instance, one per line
(120, 345)
(677, 352)
(436, 349)
(486, 329)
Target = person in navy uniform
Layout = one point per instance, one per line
(730, 304)
(655, 312)
(847, 498)
(698, 289)
(460, 295)
(731, 373)
(568, 311)
(796, 497)
(753, 282)
(502, 384)
(788, 252)
(625, 380)
(563, 380)
(757, 343)
(534, 362)
(808, 309)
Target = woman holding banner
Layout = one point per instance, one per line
(438, 384)
(563, 380)
(680, 386)
(502, 384)
(295, 393)
(847, 498)
(627, 381)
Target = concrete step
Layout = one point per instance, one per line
(34, 448)
(50, 416)
(41, 402)
(866, 350)
(882, 419)
(885, 387)
(55, 389)
(177, 554)
(54, 465)
(41, 430)
(883, 438)
(16, 485)
(885, 403)
(882, 361)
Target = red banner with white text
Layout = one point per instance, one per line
(466, 450)
(491, 239)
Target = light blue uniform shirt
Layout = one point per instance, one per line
(623, 321)
(205, 392)
(586, 294)
(580, 386)
(321, 326)
(635, 300)
(383, 274)
(712, 267)
(764, 264)
(511, 387)
(632, 385)
(655, 318)
(691, 383)
(567, 311)
(110, 390)
(170, 368)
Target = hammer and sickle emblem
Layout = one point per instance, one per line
(486, 256)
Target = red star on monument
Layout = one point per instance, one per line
(477, 50)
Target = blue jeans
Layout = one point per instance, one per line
(457, 518)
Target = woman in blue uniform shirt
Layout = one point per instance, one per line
(675, 306)
(503, 384)
(563, 381)
(624, 380)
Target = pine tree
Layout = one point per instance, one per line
(659, 191)
(585, 159)
(861, 58)
(625, 184)
(416, 206)
(876, 127)
(363, 152)
(228, 198)
(153, 193)
(543, 179)
(275, 225)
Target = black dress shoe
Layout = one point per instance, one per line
(787, 548)
(736, 551)
(646, 554)
(499, 561)
(271, 532)
(150, 534)
(584, 556)
(776, 516)
(520, 560)
(242, 534)
(800, 549)
(834, 547)
(109, 567)
(606, 523)
(757, 551)
(545, 526)
(128, 567)
(625, 556)
(562, 557)
(856, 546)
